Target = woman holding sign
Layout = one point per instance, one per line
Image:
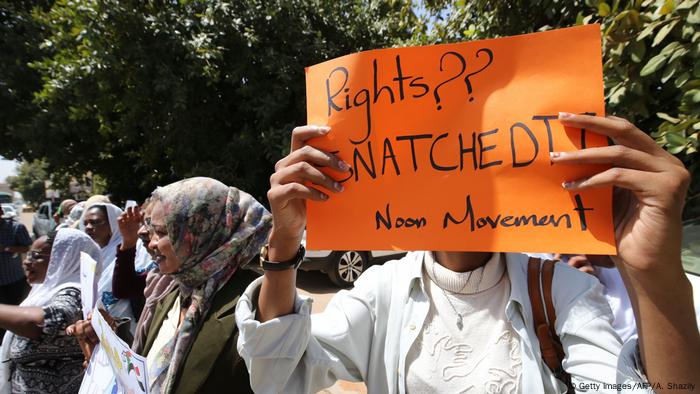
(37, 356)
(448, 322)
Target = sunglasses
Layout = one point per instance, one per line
(35, 256)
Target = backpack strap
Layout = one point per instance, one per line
(539, 285)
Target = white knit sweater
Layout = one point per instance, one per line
(483, 356)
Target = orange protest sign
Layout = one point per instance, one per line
(449, 146)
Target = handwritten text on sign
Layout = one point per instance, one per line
(449, 146)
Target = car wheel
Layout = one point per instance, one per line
(347, 266)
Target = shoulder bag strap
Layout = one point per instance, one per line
(540, 277)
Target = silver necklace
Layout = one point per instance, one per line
(460, 323)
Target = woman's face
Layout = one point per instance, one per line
(97, 226)
(37, 261)
(163, 251)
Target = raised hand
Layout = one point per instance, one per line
(649, 190)
(129, 223)
(652, 186)
(296, 179)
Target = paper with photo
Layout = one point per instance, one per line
(99, 377)
(127, 368)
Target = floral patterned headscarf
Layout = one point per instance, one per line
(214, 229)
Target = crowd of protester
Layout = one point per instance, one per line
(173, 285)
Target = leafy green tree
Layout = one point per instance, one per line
(20, 39)
(30, 181)
(651, 54)
(144, 93)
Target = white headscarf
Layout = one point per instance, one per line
(73, 218)
(64, 266)
(109, 256)
(109, 252)
(62, 272)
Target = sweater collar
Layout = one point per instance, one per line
(516, 267)
(470, 282)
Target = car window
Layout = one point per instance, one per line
(690, 249)
(44, 211)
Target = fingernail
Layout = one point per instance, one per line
(554, 155)
(343, 166)
(324, 196)
(565, 115)
(568, 184)
(337, 186)
(324, 129)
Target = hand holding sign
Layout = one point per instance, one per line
(113, 359)
(651, 187)
(466, 168)
(508, 152)
(291, 185)
(648, 215)
(85, 335)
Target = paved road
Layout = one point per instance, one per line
(26, 219)
(318, 286)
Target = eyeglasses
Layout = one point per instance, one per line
(35, 256)
(157, 230)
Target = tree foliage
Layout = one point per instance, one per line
(20, 37)
(30, 181)
(144, 93)
(651, 54)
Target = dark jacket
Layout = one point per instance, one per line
(213, 364)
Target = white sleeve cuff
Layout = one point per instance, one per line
(285, 336)
(630, 370)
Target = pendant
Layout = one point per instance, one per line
(459, 322)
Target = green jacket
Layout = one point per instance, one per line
(213, 364)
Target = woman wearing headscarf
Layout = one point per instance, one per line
(37, 356)
(202, 233)
(73, 219)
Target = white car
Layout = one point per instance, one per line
(690, 254)
(43, 222)
(21, 206)
(9, 211)
(343, 267)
